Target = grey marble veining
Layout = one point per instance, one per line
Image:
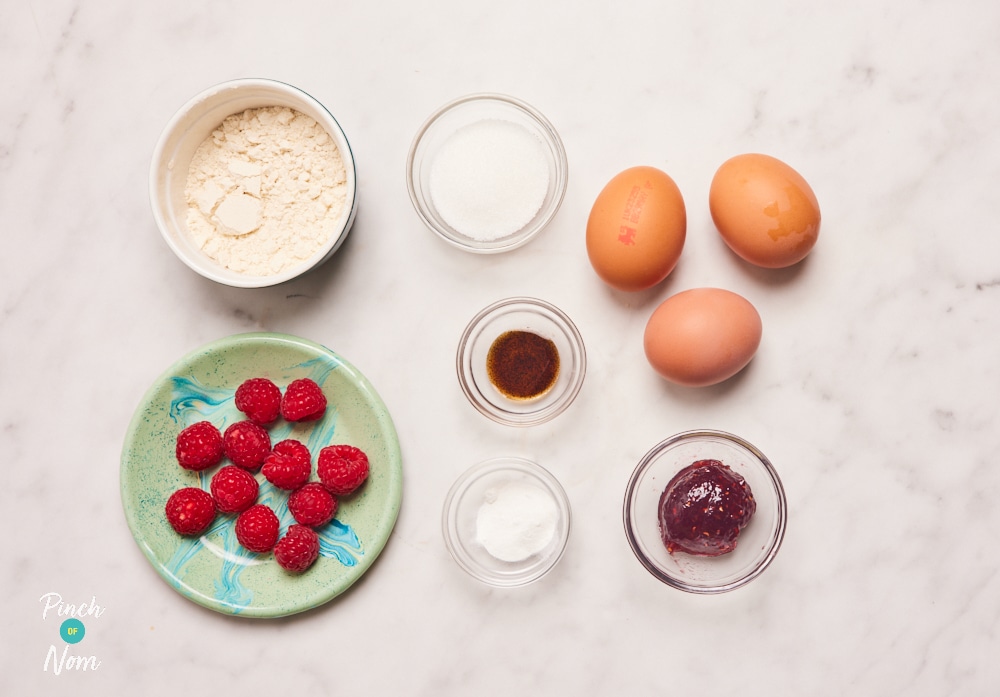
(873, 392)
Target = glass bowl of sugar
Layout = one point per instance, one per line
(506, 521)
(486, 172)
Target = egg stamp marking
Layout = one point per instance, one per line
(626, 235)
(634, 204)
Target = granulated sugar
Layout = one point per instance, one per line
(489, 179)
(516, 520)
(265, 191)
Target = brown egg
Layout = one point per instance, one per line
(764, 210)
(702, 336)
(636, 229)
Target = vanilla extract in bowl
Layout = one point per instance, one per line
(522, 365)
(521, 361)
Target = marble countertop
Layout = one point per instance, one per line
(874, 391)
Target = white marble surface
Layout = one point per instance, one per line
(874, 391)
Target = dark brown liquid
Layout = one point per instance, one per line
(522, 365)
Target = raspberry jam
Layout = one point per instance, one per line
(703, 509)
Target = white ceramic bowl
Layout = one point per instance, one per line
(188, 129)
(480, 484)
(468, 111)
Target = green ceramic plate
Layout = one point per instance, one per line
(214, 570)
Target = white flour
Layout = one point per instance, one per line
(516, 520)
(265, 191)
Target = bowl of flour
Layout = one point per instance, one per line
(506, 521)
(253, 183)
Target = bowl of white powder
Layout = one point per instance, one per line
(486, 172)
(253, 183)
(506, 521)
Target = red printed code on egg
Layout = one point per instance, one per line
(633, 206)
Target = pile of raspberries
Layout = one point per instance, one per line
(342, 469)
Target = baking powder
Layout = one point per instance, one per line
(516, 520)
(265, 191)
(489, 179)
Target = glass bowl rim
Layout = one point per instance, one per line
(531, 418)
(772, 475)
(561, 164)
(487, 467)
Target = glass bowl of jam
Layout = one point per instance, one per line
(705, 512)
(521, 361)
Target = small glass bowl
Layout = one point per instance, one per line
(189, 127)
(465, 111)
(524, 314)
(461, 507)
(758, 542)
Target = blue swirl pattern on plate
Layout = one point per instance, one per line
(191, 402)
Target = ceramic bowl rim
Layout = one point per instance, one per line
(161, 163)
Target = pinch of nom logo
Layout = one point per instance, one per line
(71, 632)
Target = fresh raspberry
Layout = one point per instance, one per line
(303, 401)
(199, 446)
(260, 400)
(312, 505)
(246, 444)
(234, 489)
(342, 468)
(298, 549)
(289, 465)
(190, 510)
(295, 449)
(257, 528)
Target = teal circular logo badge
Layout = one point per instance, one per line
(72, 631)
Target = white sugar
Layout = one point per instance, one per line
(516, 520)
(489, 179)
